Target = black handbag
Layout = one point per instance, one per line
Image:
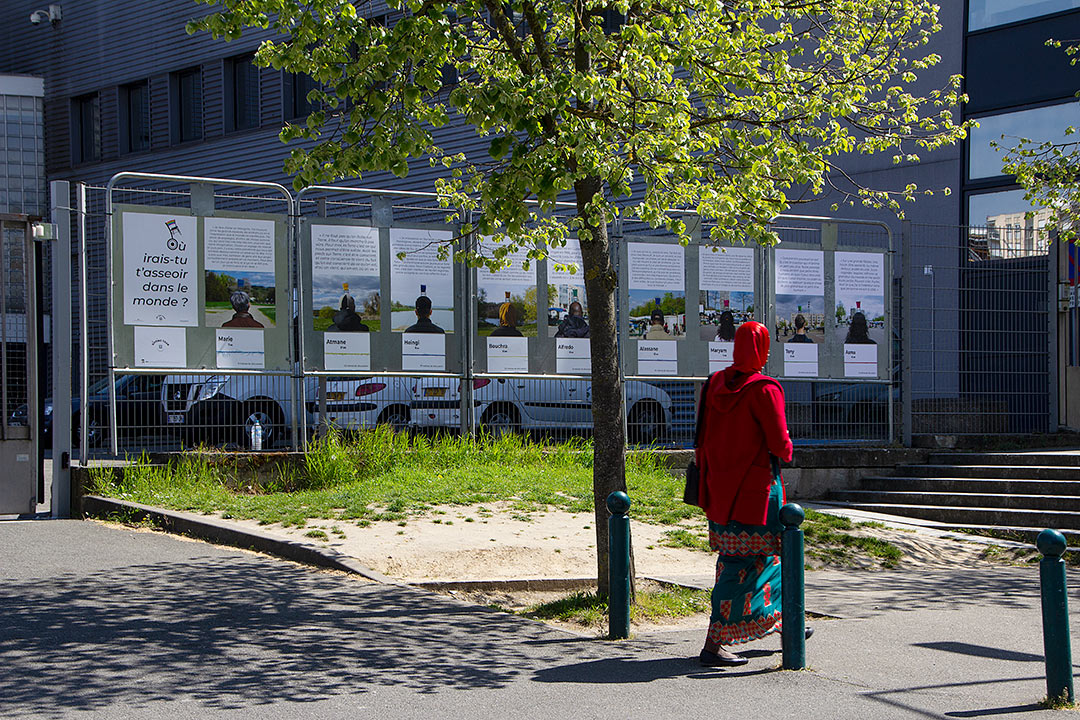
(693, 475)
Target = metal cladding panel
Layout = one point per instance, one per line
(1012, 65)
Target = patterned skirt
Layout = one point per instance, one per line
(746, 598)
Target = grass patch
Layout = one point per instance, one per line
(829, 539)
(590, 610)
(382, 475)
(1058, 703)
(680, 538)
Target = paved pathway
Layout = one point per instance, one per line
(99, 622)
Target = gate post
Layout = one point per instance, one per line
(60, 348)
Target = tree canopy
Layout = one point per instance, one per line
(733, 109)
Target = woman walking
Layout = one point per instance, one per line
(742, 424)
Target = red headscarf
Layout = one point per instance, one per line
(751, 347)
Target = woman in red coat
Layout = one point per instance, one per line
(742, 424)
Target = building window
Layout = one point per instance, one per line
(297, 88)
(989, 13)
(1000, 219)
(1043, 124)
(187, 105)
(241, 93)
(135, 117)
(86, 129)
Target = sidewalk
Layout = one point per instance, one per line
(107, 622)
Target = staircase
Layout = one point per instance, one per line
(1022, 492)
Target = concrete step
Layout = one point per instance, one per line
(955, 515)
(971, 485)
(1024, 472)
(973, 500)
(1060, 459)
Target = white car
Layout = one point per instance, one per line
(525, 404)
(355, 403)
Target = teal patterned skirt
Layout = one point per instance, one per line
(746, 597)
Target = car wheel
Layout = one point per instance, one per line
(645, 424)
(396, 416)
(270, 419)
(498, 420)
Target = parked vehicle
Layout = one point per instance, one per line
(505, 405)
(356, 403)
(226, 408)
(138, 410)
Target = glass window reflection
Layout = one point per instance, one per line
(1038, 124)
(988, 13)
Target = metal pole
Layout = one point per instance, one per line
(905, 334)
(793, 632)
(1055, 617)
(84, 328)
(61, 350)
(618, 504)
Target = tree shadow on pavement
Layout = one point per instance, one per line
(242, 631)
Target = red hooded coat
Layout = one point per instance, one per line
(743, 423)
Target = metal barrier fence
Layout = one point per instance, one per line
(158, 412)
(977, 336)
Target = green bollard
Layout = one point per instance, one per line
(618, 504)
(793, 632)
(1055, 616)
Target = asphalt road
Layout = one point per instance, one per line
(102, 622)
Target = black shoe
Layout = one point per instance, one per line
(809, 632)
(711, 659)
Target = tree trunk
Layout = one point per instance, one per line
(609, 432)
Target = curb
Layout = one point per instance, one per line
(223, 533)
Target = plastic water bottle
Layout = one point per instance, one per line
(256, 435)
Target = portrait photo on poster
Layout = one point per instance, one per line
(859, 320)
(567, 303)
(240, 285)
(657, 291)
(799, 283)
(506, 300)
(421, 283)
(726, 291)
(345, 286)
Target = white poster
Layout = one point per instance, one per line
(508, 354)
(239, 244)
(567, 303)
(721, 355)
(726, 269)
(346, 351)
(345, 285)
(419, 273)
(240, 349)
(160, 269)
(658, 357)
(240, 283)
(421, 351)
(656, 265)
(799, 272)
(726, 293)
(800, 360)
(860, 361)
(161, 347)
(656, 288)
(573, 356)
(507, 303)
(860, 306)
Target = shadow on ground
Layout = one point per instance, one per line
(240, 631)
